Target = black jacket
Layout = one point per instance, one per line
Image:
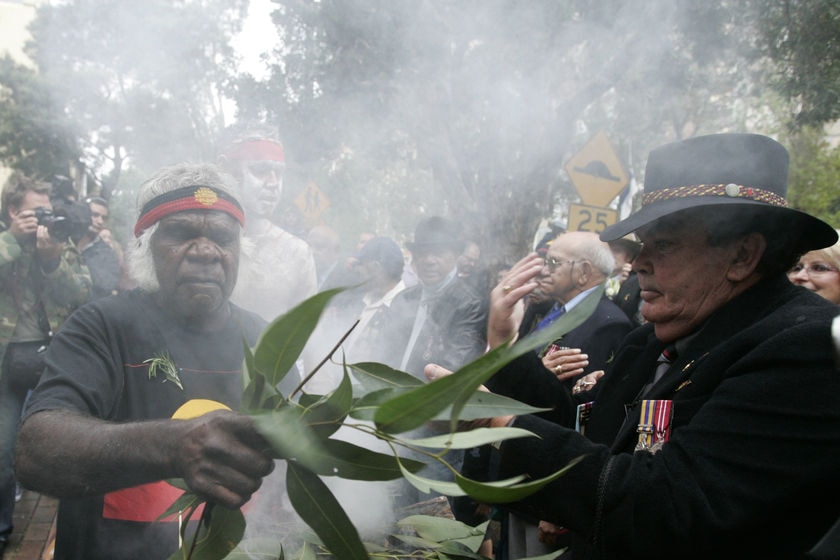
(751, 469)
(454, 334)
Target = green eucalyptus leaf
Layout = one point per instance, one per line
(501, 493)
(373, 376)
(184, 502)
(457, 549)
(417, 542)
(290, 437)
(282, 342)
(258, 548)
(327, 414)
(365, 407)
(218, 534)
(178, 483)
(350, 461)
(427, 485)
(319, 509)
(248, 363)
(414, 408)
(254, 395)
(410, 410)
(483, 404)
(440, 529)
(472, 438)
(539, 339)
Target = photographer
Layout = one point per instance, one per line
(41, 281)
(100, 258)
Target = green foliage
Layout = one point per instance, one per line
(301, 433)
(398, 110)
(814, 175)
(801, 38)
(34, 137)
(138, 80)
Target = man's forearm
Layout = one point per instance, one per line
(103, 456)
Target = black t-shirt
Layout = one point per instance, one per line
(97, 364)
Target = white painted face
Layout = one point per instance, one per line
(262, 184)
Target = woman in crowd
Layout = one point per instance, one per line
(819, 271)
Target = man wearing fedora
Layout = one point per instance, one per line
(441, 319)
(716, 433)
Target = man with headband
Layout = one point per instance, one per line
(98, 431)
(277, 269)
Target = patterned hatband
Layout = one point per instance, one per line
(193, 197)
(730, 190)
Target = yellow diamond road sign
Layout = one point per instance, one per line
(596, 172)
(312, 201)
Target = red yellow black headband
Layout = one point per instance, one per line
(194, 197)
(731, 190)
(256, 150)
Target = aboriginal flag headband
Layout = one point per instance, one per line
(193, 197)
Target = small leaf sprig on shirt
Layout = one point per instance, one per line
(165, 364)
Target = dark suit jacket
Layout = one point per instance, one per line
(752, 469)
(600, 335)
(454, 334)
(629, 298)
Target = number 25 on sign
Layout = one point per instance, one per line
(590, 218)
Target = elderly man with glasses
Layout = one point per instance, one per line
(576, 264)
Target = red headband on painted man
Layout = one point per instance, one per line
(256, 150)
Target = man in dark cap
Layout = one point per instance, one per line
(716, 433)
(441, 319)
(98, 431)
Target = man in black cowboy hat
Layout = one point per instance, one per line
(441, 319)
(716, 433)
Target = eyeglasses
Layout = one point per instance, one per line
(813, 269)
(553, 263)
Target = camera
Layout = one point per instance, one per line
(68, 220)
(58, 226)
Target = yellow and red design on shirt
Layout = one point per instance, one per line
(147, 502)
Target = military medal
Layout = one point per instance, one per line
(654, 425)
(584, 411)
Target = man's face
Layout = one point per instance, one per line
(262, 183)
(682, 278)
(196, 256)
(98, 217)
(557, 277)
(31, 201)
(433, 264)
(468, 260)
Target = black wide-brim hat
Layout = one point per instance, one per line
(721, 170)
(437, 232)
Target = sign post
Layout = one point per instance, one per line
(598, 177)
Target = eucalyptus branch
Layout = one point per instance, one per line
(325, 360)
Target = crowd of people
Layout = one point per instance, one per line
(701, 392)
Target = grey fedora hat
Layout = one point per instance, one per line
(721, 170)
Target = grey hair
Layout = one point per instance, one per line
(139, 257)
(598, 254)
(141, 264)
